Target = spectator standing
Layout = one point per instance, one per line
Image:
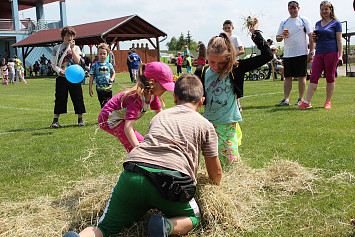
(135, 60)
(18, 70)
(329, 53)
(104, 74)
(63, 56)
(293, 31)
(237, 43)
(36, 68)
(4, 72)
(188, 63)
(129, 67)
(186, 51)
(200, 59)
(11, 68)
(179, 64)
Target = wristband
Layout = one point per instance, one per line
(311, 53)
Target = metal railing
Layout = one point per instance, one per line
(29, 25)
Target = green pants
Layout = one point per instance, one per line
(132, 197)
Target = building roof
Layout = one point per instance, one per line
(120, 29)
(6, 11)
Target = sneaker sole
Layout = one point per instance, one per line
(305, 107)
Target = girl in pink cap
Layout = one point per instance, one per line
(118, 115)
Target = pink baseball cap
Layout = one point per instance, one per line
(161, 73)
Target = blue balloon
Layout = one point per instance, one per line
(74, 73)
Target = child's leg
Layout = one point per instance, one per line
(23, 78)
(16, 76)
(229, 138)
(118, 132)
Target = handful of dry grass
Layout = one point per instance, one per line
(250, 21)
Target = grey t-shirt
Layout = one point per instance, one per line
(174, 140)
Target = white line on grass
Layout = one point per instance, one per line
(43, 110)
(36, 129)
(274, 93)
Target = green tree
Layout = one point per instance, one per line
(181, 42)
(189, 39)
(172, 45)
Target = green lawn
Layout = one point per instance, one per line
(37, 162)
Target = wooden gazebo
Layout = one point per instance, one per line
(110, 31)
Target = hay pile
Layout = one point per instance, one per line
(227, 210)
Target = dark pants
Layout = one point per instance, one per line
(104, 96)
(270, 71)
(130, 72)
(62, 87)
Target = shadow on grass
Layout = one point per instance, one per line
(47, 128)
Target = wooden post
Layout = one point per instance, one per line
(158, 49)
(91, 52)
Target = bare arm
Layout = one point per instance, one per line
(90, 85)
(311, 46)
(340, 47)
(113, 77)
(158, 111)
(128, 129)
(279, 38)
(214, 169)
(241, 51)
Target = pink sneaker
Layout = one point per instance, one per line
(25, 82)
(328, 105)
(304, 105)
(15, 83)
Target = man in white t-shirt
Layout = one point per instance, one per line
(293, 31)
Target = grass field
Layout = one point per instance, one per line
(42, 168)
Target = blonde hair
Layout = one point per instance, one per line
(330, 5)
(222, 45)
(105, 47)
(143, 86)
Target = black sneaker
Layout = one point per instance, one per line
(157, 226)
(55, 125)
(283, 102)
(299, 101)
(81, 124)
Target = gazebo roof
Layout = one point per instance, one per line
(125, 28)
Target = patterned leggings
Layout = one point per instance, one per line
(229, 138)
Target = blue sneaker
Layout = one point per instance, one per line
(158, 226)
(71, 234)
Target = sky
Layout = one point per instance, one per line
(202, 18)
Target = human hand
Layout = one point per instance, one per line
(72, 44)
(340, 61)
(91, 92)
(62, 73)
(285, 34)
(254, 27)
(309, 58)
